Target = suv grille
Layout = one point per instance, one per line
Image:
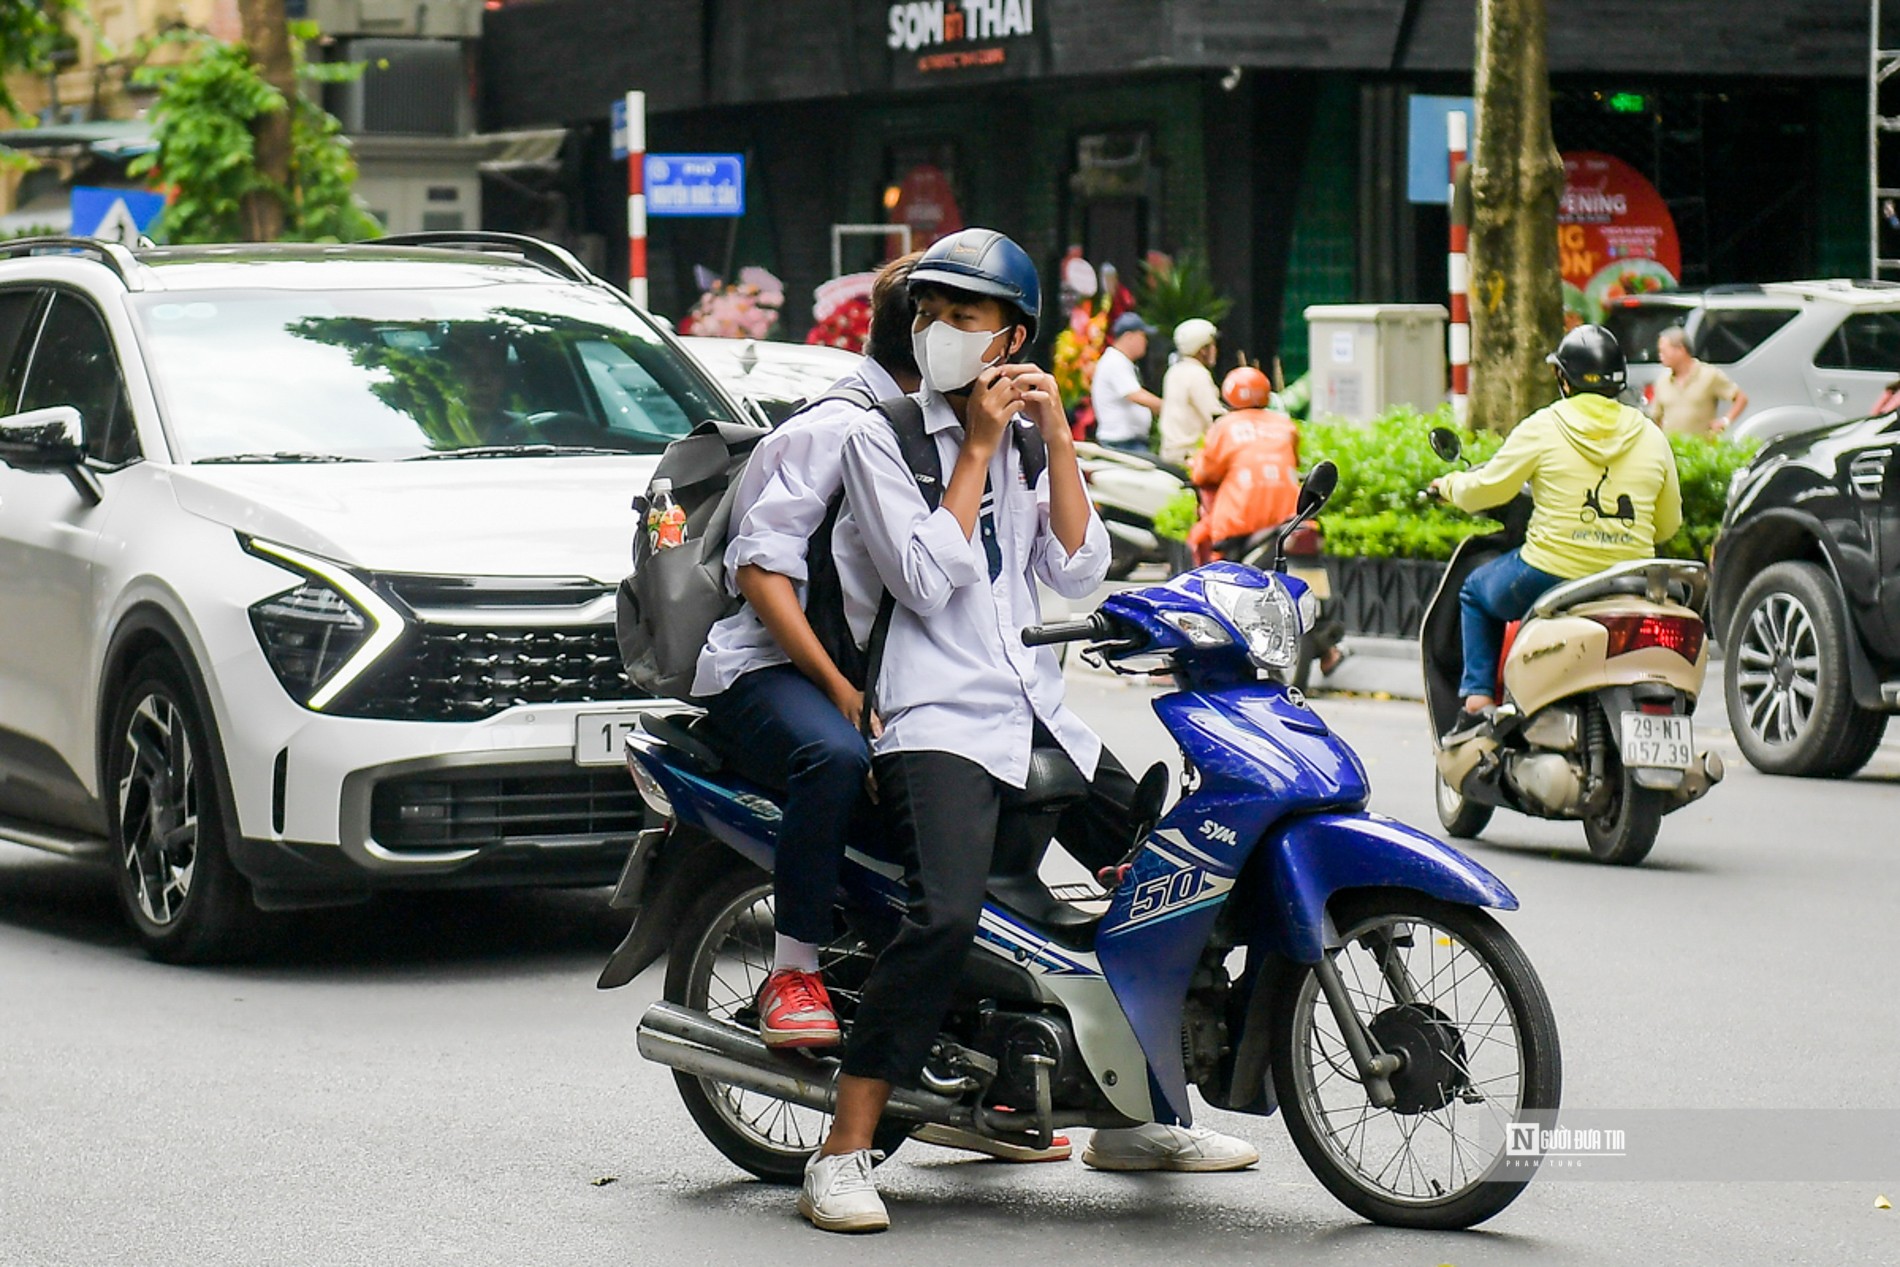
(472, 811)
(463, 673)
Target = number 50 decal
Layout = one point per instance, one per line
(1165, 892)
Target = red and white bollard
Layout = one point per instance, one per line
(637, 198)
(1458, 335)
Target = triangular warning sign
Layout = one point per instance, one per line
(117, 225)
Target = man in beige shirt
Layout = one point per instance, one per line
(1684, 400)
(1189, 400)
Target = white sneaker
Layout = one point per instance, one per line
(839, 1196)
(1158, 1147)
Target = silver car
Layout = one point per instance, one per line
(1807, 353)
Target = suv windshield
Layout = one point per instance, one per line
(286, 375)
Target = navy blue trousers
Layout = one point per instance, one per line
(783, 732)
(1493, 596)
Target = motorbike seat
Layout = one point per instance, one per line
(1023, 833)
(688, 734)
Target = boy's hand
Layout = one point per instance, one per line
(850, 702)
(995, 399)
(1042, 401)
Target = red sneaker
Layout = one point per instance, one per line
(795, 1011)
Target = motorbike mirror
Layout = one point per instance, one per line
(1446, 445)
(1317, 490)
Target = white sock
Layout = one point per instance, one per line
(793, 955)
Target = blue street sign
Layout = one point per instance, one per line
(117, 215)
(617, 119)
(1428, 171)
(695, 184)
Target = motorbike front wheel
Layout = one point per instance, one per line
(1449, 992)
(719, 958)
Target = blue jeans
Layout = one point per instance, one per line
(1494, 595)
(1140, 448)
(784, 732)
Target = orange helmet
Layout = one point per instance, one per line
(1246, 388)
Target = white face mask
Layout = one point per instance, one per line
(949, 359)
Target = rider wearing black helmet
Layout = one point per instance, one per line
(1604, 482)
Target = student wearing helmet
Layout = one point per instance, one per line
(963, 701)
(1249, 464)
(1606, 491)
(1189, 400)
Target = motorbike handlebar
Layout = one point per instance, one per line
(1095, 626)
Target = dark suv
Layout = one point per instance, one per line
(1807, 598)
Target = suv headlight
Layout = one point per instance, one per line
(1264, 617)
(321, 635)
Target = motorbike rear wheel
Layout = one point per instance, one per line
(720, 956)
(1451, 993)
(1624, 833)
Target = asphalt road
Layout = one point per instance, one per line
(435, 1080)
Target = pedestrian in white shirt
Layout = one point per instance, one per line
(1124, 409)
(1189, 399)
(773, 689)
(964, 702)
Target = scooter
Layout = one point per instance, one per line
(1376, 1000)
(1595, 692)
(1128, 491)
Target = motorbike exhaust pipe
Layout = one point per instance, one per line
(695, 1044)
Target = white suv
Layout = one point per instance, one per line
(307, 563)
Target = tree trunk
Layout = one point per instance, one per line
(267, 35)
(1517, 180)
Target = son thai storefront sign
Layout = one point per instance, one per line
(936, 40)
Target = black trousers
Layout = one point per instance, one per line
(942, 812)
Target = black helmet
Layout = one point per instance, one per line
(1590, 360)
(982, 262)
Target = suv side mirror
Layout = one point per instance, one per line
(49, 440)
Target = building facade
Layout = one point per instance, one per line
(1272, 140)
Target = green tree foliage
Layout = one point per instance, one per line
(206, 153)
(1174, 290)
(1384, 463)
(31, 32)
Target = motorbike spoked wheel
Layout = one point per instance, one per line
(719, 958)
(1457, 814)
(1450, 992)
(1624, 833)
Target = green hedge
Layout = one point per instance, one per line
(1384, 463)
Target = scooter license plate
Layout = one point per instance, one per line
(1656, 742)
(1316, 580)
(601, 738)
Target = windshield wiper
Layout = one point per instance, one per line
(517, 451)
(285, 455)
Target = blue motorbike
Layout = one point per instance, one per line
(1268, 941)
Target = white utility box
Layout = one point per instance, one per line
(1366, 358)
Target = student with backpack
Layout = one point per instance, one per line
(771, 685)
(964, 702)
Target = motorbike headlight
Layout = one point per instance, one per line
(1264, 617)
(1202, 631)
(321, 635)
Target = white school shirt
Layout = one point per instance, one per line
(956, 676)
(783, 492)
(1116, 416)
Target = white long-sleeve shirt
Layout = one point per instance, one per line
(783, 493)
(956, 676)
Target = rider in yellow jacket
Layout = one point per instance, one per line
(1604, 482)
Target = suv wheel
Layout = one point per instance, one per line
(1789, 699)
(184, 899)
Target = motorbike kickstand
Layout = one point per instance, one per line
(1375, 1067)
